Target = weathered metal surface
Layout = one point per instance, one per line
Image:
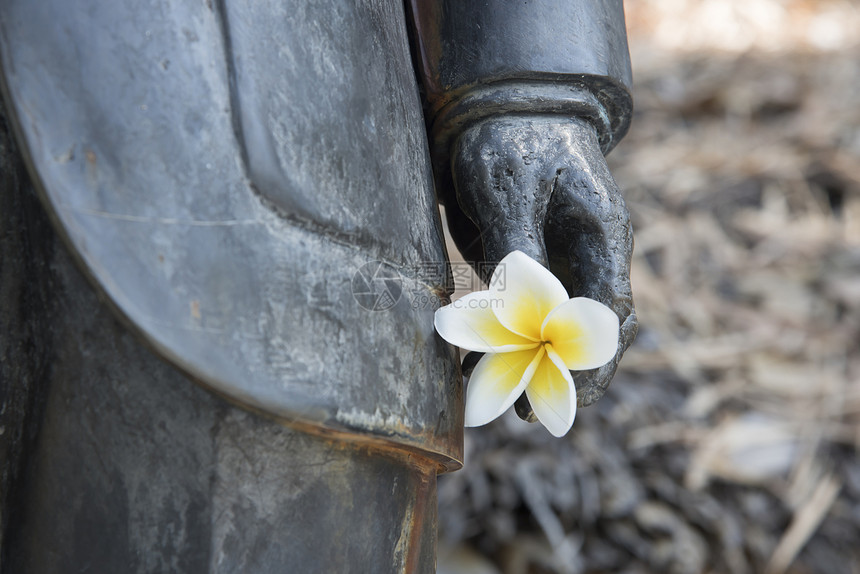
(222, 170)
(25, 293)
(137, 470)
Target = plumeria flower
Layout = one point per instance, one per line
(533, 336)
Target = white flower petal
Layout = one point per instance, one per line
(528, 291)
(469, 322)
(552, 394)
(497, 382)
(583, 332)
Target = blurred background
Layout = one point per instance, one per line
(729, 441)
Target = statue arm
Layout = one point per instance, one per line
(523, 101)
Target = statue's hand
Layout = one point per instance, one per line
(541, 185)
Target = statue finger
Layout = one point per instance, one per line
(590, 242)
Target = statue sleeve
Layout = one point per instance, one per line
(480, 59)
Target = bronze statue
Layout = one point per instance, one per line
(219, 171)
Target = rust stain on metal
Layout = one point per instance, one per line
(195, 309)
(414, 521)
(90, 156)
(441, 460)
